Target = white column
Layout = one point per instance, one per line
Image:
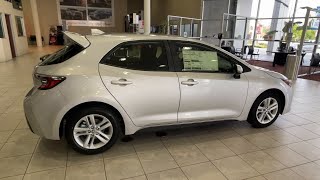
(275, 26)
(147, 16)
(36, 22)
(59, 13)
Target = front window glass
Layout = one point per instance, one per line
(145, 56)
(191, 57)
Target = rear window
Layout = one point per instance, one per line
(63, 54)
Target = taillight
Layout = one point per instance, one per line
(48, 82)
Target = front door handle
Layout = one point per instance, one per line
(190, 82)
(122, 82)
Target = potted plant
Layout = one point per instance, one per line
(270, 35)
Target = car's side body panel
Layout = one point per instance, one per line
(84, 84)
(216, 96)
(152, 98)
(260, 82)
(80, 71)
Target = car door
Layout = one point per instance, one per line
(209, 90)
(139, 75)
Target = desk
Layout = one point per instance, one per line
(229, 49)
(280, 57)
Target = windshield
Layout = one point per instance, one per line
(63, 54)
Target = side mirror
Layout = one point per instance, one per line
(239, 71)
(42, 58)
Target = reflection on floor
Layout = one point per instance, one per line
(289, 149)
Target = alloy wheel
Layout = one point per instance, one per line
(93, 131)
(267, 110)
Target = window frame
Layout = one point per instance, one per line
(165, 45)
(173, 47)
(21, 20)
(17, 4)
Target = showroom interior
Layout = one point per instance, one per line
(268, 35)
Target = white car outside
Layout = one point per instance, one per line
(97, 87)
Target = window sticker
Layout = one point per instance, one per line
(200, 60)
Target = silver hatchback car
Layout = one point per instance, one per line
(97, 87)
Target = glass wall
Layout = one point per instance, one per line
(269, 25)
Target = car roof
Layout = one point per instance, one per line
(103, 40)
(124, 37)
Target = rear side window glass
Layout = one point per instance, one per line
(63, 54)
(144, 56)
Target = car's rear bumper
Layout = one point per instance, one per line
(41, 110)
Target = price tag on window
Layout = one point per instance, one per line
(200, 60)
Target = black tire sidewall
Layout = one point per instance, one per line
(252, 119)
(76, 116)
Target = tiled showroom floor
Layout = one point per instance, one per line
(289, 149)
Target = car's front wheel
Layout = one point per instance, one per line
(92, 130)
(265, 110)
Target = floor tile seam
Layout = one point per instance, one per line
(13, 156)
(88, 162)
(266, 136)
(300, 153)
(65, 173)
(45, 170)
(7, 107)
(289, 168)
(310, 130)
(161, 172)
(300, 138)
(211, 161)
(256, 169)
(31, 159)
(144, 172)
(259, 149)
(308, 160)
(172, 158)
(218, 158)
(280, 142)
(14, 131)
(18, 155)
(20, 140)
(242, 160)
(11, 176)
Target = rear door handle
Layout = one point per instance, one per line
(123, 82)
(190, 82)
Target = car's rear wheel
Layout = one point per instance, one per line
(265, 110)
(92, 130)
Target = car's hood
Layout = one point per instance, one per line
(271, 73)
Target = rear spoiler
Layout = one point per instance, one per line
(77, 38)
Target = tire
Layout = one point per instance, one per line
(263, 115)
(97, 124)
